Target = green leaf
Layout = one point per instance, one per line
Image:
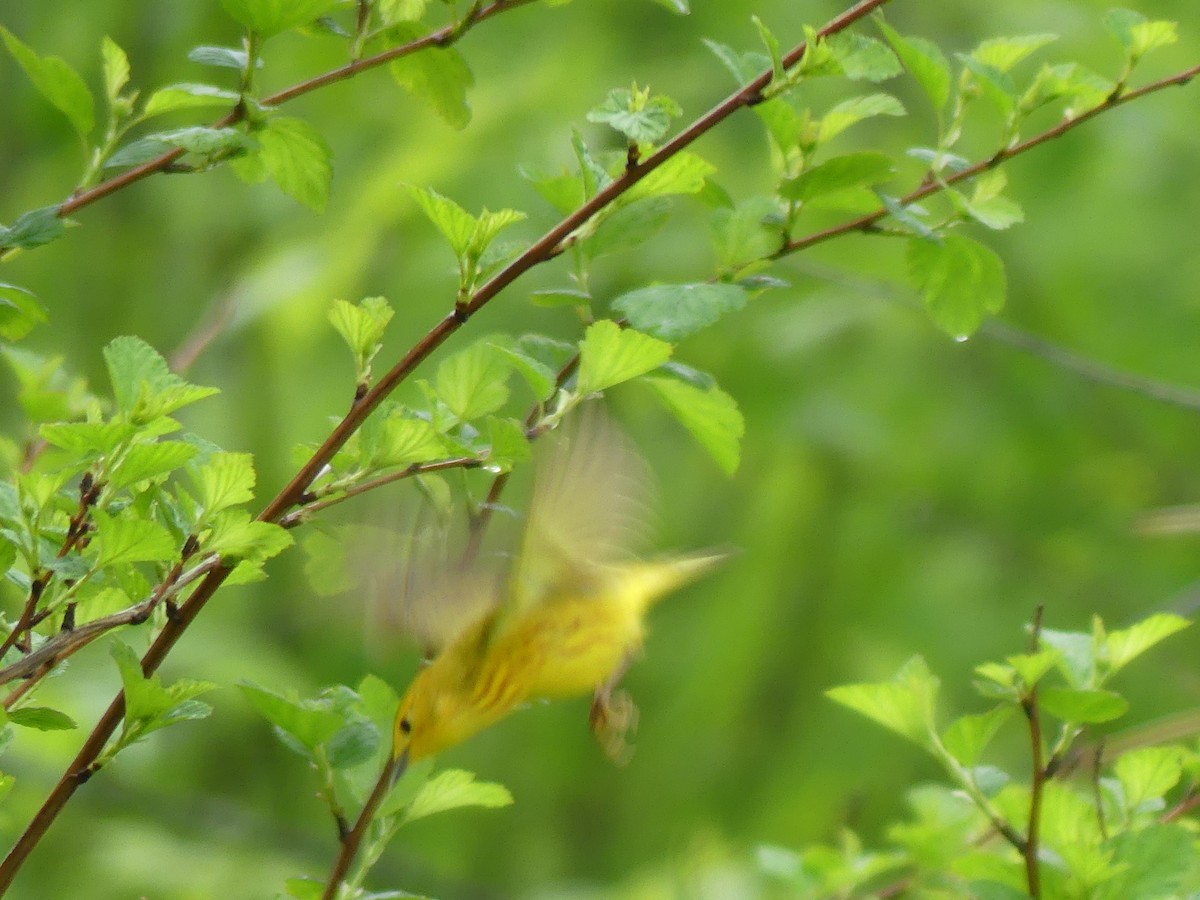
(87, 438)
(144, 461)
(862, 58)
(838, 174)
(684, 173)
(221, 57)
(679, 7)
(1082, 706)
(116, 68)
(455, 223)
(1082, 87)
(925, 62)
(563, 191)
(402, 440)
(225, 479)
(149, 705)
(968, 736)
(438, 76)
(634, 113)
(539, 376)
(41, 718)
(304, 888)
(609, 355)
(905, 704)
(210, 143)
(353, 744)
(487, 226)
(744, 67)
(57, 82)
(143, 386)
(188, 96)
(1137, 35)
(33, 229)
(998, 86)
(473, 382)
(455, 789)
(310, 722)
(269, 17)
(1077, 655)
(1003, 53)
(856, 109)
(1122, 647)
(295, 156)
(508, 443)
(1146, 774)
(771, 43)
(235, 535)
(710, 414)
(628, 226)
(744, 234)
(959, 280)
(19, 312)
(674, 311)
(361, 326)
(1031, 667)
(391, 11)
(1155, 861)
(124, 539)
(989, 206)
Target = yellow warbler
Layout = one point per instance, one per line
(566, 619)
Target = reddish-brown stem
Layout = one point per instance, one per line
(867, 222)
(352, 839)
(298, 515)
(1190, 802)
(89, 491)
(1038, 780)
(443, 37)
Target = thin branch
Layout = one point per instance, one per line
(300, 513)
(1163, 391)
(1037, 764)
(208, 330)
(1061, 357)
(480, 521)
(866, 223)
(352, 839)
(443, 37)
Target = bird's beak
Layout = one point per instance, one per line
(399, 765)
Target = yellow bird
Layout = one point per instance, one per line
(569, 616)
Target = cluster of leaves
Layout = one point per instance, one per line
(340, 736)
(959, 279)
(111, 514)
(1079, 822)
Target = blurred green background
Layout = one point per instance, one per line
(899, 493)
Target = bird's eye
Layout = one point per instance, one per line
(405, 726)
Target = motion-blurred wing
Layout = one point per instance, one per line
(590, 506)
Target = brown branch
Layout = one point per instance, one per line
(77, 528)
(352, 839)
(443, 37)
(70, 641)
(298, 515)
(866, 223)
(1037, 763)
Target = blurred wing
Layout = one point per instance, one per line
(413, 582)
(590, 507)
(439, 598)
